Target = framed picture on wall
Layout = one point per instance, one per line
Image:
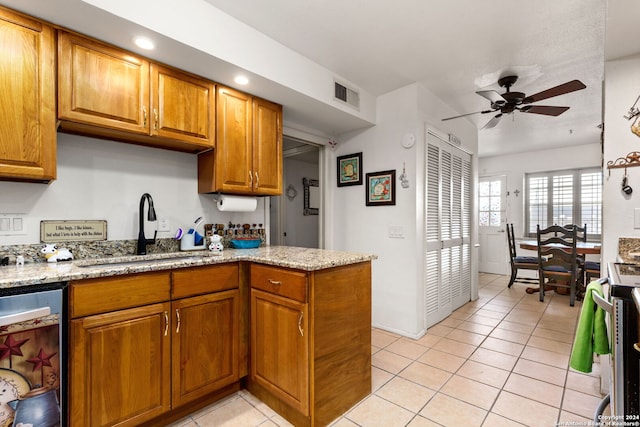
(381, 188)
(350, 170)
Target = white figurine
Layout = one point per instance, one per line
(53, 254)
(216, 245)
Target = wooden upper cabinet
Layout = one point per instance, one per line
(232, 156)
(27, 104)
(248, 155)
(110, 93)
(267, 147)
(182, 106)
(101, 85)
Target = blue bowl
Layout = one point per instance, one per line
(245, 243)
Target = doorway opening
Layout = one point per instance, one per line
(296, 215)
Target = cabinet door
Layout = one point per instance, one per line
(267, 147)
(101, 85)
(280, 348)
(182, 106)
(232, 169)
(120, 367)
(205, 344)
(27, 104)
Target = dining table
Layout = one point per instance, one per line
(582, 248)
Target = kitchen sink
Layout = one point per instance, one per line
(137, 260)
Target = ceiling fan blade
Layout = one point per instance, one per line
(544, 109)
(491, 95)
(493, 122)
(468, 114)
(568, 87)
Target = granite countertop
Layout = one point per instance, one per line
(307, 259)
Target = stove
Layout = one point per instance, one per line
(624, 334)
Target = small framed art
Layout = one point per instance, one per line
(381, 188)
(350, 170)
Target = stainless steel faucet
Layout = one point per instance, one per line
(151, 216)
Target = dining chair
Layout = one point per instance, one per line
(558, 261)
(519, 262)
(581, 231)
(591, 269)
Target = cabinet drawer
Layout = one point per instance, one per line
(280, 281)
(204, 280)
(93, 296)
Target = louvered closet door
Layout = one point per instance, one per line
(447, 269)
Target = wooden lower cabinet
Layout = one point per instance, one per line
(310, 340)
(205, 345)
(143, 347)
(120, 367)
(279, 348)
(147, 349)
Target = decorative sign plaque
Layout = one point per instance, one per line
(72, 231)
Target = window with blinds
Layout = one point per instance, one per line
(564, 197)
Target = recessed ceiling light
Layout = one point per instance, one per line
(143, 43)
(241, 80)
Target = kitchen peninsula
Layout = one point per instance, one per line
(292, 325)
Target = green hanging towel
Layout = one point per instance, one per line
(591, 335)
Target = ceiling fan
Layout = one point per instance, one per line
(509, 102)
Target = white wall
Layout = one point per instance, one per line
(302, 230)
(353, 226)
(622, 87)
(104, 180)
(514, 166)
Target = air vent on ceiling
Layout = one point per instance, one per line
(347, 95)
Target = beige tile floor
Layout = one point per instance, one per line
(499, 361)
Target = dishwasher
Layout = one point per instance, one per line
(33, 355)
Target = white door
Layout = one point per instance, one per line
(448, 198)
(492, 222)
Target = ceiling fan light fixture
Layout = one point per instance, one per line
(508, 102)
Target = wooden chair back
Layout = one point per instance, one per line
(558, 258)
(581, 231)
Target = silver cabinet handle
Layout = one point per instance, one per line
(257, 179)
(178, 319)
(300, 324)
(144, 116)
(166, 323)
(155, 119)
(275, 282)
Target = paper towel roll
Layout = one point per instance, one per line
(237, 203)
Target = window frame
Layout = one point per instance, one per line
(577, 197)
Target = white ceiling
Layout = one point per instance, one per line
(453, 48)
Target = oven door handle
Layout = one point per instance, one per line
(24, 316)
(636, 297)
(602, 303)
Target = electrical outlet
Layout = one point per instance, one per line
(636, 218)
(164, 225)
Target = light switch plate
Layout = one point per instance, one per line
(12, 224)
(396, 231)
